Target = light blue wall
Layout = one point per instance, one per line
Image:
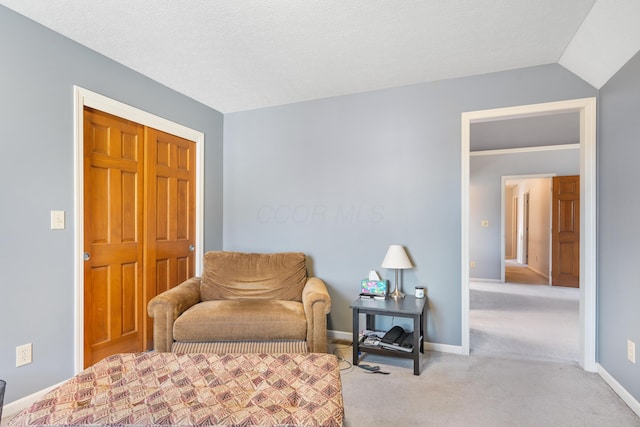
(342, 178)
(37, 73)
(618, 226)
(485, 189)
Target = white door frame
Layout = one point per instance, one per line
(524, 249)
(587, 109)
(83, 97)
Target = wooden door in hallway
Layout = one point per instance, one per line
(565, 269)
(139, 233)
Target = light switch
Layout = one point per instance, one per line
(57, 220)
(484, 223)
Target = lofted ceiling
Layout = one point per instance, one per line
(244, 54)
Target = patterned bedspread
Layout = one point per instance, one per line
(150, 389)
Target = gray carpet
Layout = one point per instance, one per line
(524, 321)
(478, 391)
(522, 371)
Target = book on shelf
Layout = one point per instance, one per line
(406, 349)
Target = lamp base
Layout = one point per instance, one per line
(396, 294)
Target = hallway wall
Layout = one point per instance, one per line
(539, 248)
(485, 191)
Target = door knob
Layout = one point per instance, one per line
(86, 256)
(192, 248)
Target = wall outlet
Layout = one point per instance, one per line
(631, 351)
(23, 354)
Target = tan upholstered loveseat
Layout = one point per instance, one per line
(244, 297)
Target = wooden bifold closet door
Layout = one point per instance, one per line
(139, 228)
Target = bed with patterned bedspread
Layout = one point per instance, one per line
(151, 389)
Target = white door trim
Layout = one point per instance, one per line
(83, 97)
(587, 109)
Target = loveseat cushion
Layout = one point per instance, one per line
(238, 275)
(238, 320)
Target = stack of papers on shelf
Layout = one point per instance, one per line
(371, 338)
(368, 333)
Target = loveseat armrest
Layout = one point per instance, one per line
(167, 306)
(317, 304)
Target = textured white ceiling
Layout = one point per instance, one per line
(244, 54)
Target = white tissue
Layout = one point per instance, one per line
(373, 275)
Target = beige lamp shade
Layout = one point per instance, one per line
(396, 257)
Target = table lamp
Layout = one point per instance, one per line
(397, 259)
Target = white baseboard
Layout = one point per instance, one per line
(444, 348)
(480, 280)
(340, 335)
(12, 408)
(620, 391)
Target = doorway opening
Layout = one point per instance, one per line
(526, 229)
(587, 296)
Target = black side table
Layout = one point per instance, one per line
(409, 306)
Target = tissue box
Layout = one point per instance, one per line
(373, 287)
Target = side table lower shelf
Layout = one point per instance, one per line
(409, 306)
